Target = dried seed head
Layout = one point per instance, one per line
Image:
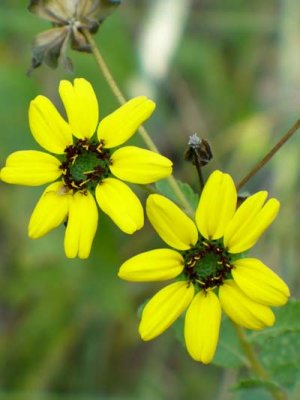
(198, 151)
(69, 18)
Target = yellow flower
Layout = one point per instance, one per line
(212, 273)
(85, 165)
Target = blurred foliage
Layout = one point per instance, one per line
(68, 328)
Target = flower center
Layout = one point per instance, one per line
(85, 165)
(207, 264)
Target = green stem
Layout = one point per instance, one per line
(104, 68)
(254, 363)
(142, 131)
(269, 155)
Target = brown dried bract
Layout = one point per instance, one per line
(69, 18)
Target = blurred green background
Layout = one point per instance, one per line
(227, 70)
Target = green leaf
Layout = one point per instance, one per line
(254, 383)
(229, 352)
(253, 393)
(164, 188)
(255, 388)
(280, 345)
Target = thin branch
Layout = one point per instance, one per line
(269, 155)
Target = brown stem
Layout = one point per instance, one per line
(200, 175)
(254, 363)
(269, 155)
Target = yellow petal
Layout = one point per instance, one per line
(202, 326)
(136, 165)
(30, 168)
(172, 225)
(153, 265)
(81, 106)
(243, 216)
(81, 226)
(164, 308)
(120, 125)
(50, 211)
(119, 202)
(259, 282)
(242, 310)
(48, 127)
(251, 219)
(216, 206)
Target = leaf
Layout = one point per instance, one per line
(164, 188)
(255, 388)
(280, 345)
(229, 353)
(254, 383)
(254, 393)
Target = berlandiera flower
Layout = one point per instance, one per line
(211, 270)
(85, 165)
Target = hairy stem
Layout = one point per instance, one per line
(142, 131)
(269, 155)
(104, 68)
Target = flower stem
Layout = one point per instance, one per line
(104, 68)
(141, 130)
(269, 155)
(200, 175)
(254, 363)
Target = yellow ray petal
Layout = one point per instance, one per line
(50, 211)
(81, 106)
(30, 168)
(136, 165)
(172, 225)
(119, 126)
(216, 206)
(259, 282)
(202, 326)
(153, 265)
(164, 308)
(48, 127)
(249, 222)
(242, 310)
(119, 202)
(81, 226)
(244, 215)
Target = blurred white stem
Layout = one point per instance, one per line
(158, 41)
(289, 50)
